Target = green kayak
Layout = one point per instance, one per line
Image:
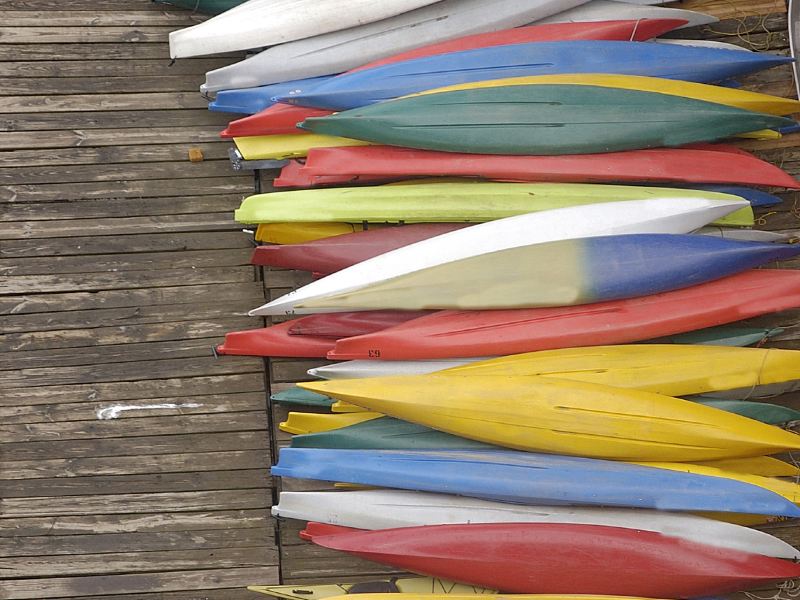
(772, 414)
(541, 119)
(210, 7)
(720, 336)
(296, 396)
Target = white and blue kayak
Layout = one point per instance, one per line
(676, 212)
(350, 48)
(259, 23)
(387, 509)
(356, 369)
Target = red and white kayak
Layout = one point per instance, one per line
(558, 558)
(702, 163)
(452, 333)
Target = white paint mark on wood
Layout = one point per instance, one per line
(114, 411)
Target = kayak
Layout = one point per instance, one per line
(388, 509)
(530, 478)
(540, 557)
(466, 201)
(719, 336)
(451, 334)
(668, 61)
(295, 396)
(268, 147)
(427, 586)
(563, 416)
(756, 198)
(749, 235)
(602, 10)
(704, 44)
(665, 369)
(275, 340)
(377, 368)
(279, 121)
(249, 101)
(259, 23)
(300, 232)
(333, 254)
(765, 412)
(337, 325)
(765, 466)
(302, 422)
(793, 10)
(542, 119)
(282, 118)
(681, 212)
(348, 165)
(560, 273)
(339, 51)
(211, 7)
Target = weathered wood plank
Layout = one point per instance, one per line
(109, 68)
(133, 523)
(182, 170)
(84, 300)
(121, 120)
(151, 389)
(78, 18)
(153, 188)
(123, 465)
(223, 593)
(134, 427)
(151, 444)
(95, 6)
(126, 280)
(61, 86)
(294, 370)
(159, 242)
(100, 504)
(194, 481)
(81, 35)
(55, 587)
(206, 222)
(113, 154)
(131, 136)
(134, 542)
(723, 9)
(100, 263)
(93, 102)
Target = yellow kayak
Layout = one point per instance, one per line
(671, 369)
(430, 586)
(300, 233)
(737, 98)
(765, 466)
(266, 147)
(560, 416)
(299, 422)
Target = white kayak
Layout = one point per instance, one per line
(356, 369)
(703, 44)
(794, 39)
(745, 235)
(349, 48)
(386, 509)
(608, 10)
(677, 211)
(259, 23)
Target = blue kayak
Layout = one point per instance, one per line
(687, 63)
(756, 198)
(532, 478)
(249, 101)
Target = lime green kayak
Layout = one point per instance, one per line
(453, 202)
(542, 119)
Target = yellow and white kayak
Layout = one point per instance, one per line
(428, 586)
(562, 416)
(671, 369)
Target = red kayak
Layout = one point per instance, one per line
(277, 120)
(275, 341)
(368, 164)
(328, 255)
(349, 324)
(462, 333)
(558, 558)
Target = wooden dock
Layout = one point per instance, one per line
(133, 464)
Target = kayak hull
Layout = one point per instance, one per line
(275, 341)
(536, 557)
(338, 325)
(453, 334)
